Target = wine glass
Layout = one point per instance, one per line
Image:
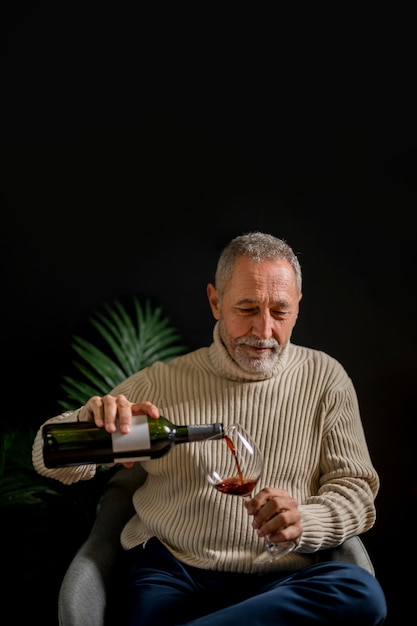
(233, 465)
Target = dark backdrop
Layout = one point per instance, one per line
(134, 152)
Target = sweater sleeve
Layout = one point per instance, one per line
(348, 483)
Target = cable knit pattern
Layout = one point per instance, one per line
(306, 420)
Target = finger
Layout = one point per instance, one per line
(255, 504)
(281, 526)
(292, 532)
(123, 415)
(145, 408)
(126, 409)
(276, 513)
(266, 508)
(93, 412)
(109, 413)
(269, 525)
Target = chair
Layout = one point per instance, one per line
(84, 598)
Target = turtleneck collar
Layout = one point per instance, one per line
(227, 367)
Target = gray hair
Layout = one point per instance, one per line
(257, 247)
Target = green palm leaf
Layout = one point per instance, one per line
(129, 342)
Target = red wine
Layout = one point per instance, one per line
(235, 485)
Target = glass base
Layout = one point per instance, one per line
(275, 551)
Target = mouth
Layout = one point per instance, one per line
(257, 350)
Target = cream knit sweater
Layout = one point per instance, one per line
(306, 420)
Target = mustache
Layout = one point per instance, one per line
(258, 343)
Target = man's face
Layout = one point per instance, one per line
(257, 312)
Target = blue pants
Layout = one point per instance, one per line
(165, 592)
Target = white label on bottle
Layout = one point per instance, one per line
(138, 439)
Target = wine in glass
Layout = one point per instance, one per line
(233, 465)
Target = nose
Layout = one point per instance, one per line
(262, 325)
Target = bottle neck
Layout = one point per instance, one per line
(198, 432)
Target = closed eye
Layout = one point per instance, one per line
(277, 314)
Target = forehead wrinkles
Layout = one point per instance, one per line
(267, 281)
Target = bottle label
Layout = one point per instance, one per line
(137, 440)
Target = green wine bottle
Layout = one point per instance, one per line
(83, 443)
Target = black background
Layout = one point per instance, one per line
(136, 144)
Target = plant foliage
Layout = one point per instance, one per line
(128, 342)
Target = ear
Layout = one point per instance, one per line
(214, 300)
(298, 307)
